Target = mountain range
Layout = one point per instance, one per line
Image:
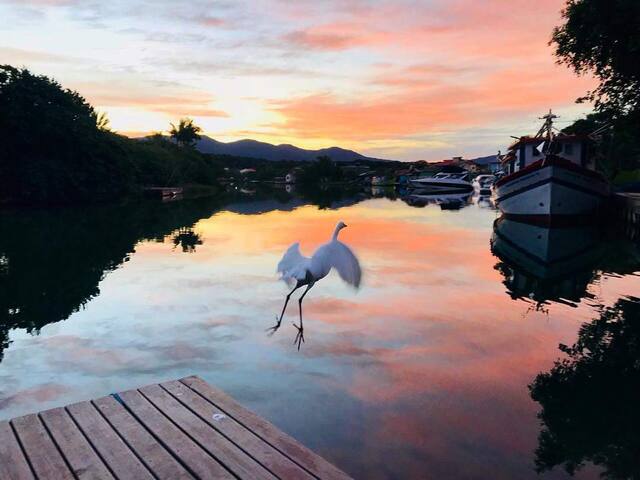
(267, 151)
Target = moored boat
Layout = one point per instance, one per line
(550, 178)
(444, 182)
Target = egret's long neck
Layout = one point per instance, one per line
(335, 233)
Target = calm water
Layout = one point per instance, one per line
(424, 372)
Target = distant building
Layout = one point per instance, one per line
(402, 176)
(489, 164)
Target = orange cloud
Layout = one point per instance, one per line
(177, 102)
(487, 61)
(430, 103)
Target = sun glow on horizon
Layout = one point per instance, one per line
(391, 79)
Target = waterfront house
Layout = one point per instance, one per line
(488, 164)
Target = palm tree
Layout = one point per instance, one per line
(102, 122)
(186, 133)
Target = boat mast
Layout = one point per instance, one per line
(546, 130)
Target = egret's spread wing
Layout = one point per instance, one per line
(292, 264)
(346, 263)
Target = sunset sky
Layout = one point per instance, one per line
(407, 80)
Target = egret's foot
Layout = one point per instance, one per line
(299, 336)
(271, 330)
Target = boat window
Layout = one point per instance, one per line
(568, 148)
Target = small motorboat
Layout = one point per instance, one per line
(444, 182)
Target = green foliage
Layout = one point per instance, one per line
(590, 399)
(627, 176)
(55, 148)
(158, 161)
(603, 37)
(186, 133)
(617, 146)
(323, 170)
(52, 146)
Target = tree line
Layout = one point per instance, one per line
(56, 148)
(602, 38)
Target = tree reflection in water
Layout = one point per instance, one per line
(187, 239)
(591, 399)
(51, 262)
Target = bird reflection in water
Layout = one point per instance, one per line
(299, 271)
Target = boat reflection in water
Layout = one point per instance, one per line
(446, 201)
(485, 201)
(546, 264)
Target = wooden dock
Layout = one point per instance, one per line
(182, 429)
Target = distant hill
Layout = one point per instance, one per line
(267, 151)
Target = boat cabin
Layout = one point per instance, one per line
(452, 176)
(527, 150)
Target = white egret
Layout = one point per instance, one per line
(298, 270)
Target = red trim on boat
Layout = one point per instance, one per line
(550, 160)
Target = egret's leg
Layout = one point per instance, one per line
(277, 325)
(300, 337)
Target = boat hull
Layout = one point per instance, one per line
(442, 187)
(551, 190)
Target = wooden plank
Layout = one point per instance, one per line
(304, 457)
(155, 456)
(13, 464)
(43, 455)
(82, 459)
(113, 451)
(265, 454)
(226, 452)
(194, 458)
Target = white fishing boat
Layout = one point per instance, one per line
(550, 178)
(444, 182)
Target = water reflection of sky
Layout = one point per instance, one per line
(423, 372)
